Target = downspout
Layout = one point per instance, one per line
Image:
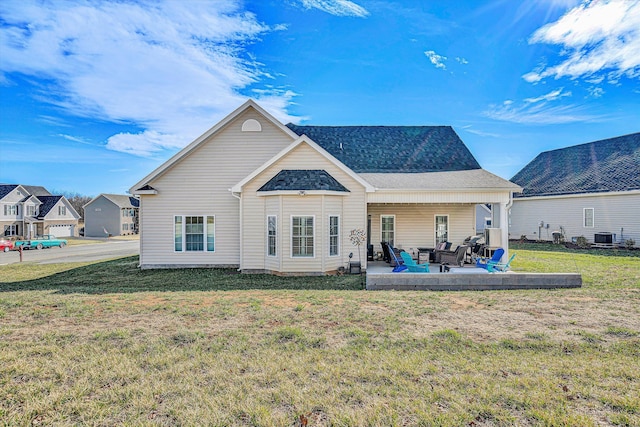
(239, 197)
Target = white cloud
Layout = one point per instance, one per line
(173, 69)
(436, 59)
(551, 96)
(336, 7)
(77, 139)
(461, 60)
(596, 92)
(539, 113)
(596, 37)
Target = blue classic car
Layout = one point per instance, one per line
(39, 242)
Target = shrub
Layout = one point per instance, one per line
(582, 242)
(629, 243)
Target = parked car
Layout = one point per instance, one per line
(39, 242)
(6, 245)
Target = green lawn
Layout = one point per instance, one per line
(108, 344)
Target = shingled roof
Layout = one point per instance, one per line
(6, 189)
(600, 166)
(33, 190)
(48, 202)
(303, 180)
(389, 149)
(122, 200)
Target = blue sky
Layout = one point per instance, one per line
(95, 94)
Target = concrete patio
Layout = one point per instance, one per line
(468, 278)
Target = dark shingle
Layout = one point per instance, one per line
(314, 179)
(36, 190)
(48, 202)
(399, 149)
(6, 189)
(600, 166)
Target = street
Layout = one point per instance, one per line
(74, 253)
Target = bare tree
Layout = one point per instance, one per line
(77, 200)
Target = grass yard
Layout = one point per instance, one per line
(108, 344)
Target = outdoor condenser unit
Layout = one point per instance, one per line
(604, 238)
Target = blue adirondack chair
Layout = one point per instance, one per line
(412, 265)
(494, 267)
(399, 263)
(483, 262)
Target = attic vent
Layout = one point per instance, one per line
(251, 125)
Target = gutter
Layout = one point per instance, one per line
(238, 195)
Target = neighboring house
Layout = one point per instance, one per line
(260, 196)
(483, 218)
(584, 190)
(28, 211)
(111, 215)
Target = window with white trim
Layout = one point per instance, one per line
(125, 227)
(388, 228)
(10, 230)
(31, 210)
(272, 230)
(442, 228)
(302, 236)
(10, 210)
(194, 233)
(334, 235)
(62, 210)
(588, 217)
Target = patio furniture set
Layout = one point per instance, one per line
(467, 253)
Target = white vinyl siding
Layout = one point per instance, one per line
(388, 227)
(616, 213)
(334, 235)
(588, 218)
(350, 207)
(302, 236)
(194, 233)
(272, 235)
(193, 183)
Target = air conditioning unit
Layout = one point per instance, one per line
(604, 238)
(493, 237)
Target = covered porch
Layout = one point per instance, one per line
(469, 278)
(420, 210)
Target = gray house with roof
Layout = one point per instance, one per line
(28, 211)
(111, 215)
(261, 196)
(590, 190)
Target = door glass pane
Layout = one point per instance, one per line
(442, 228)
(388, 229)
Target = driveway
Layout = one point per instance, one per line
(74, 253)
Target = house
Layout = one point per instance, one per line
(590, 190)
(254, 194)
(28, 211)
(111, 215)
(483, 218)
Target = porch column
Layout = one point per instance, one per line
(504, 230)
